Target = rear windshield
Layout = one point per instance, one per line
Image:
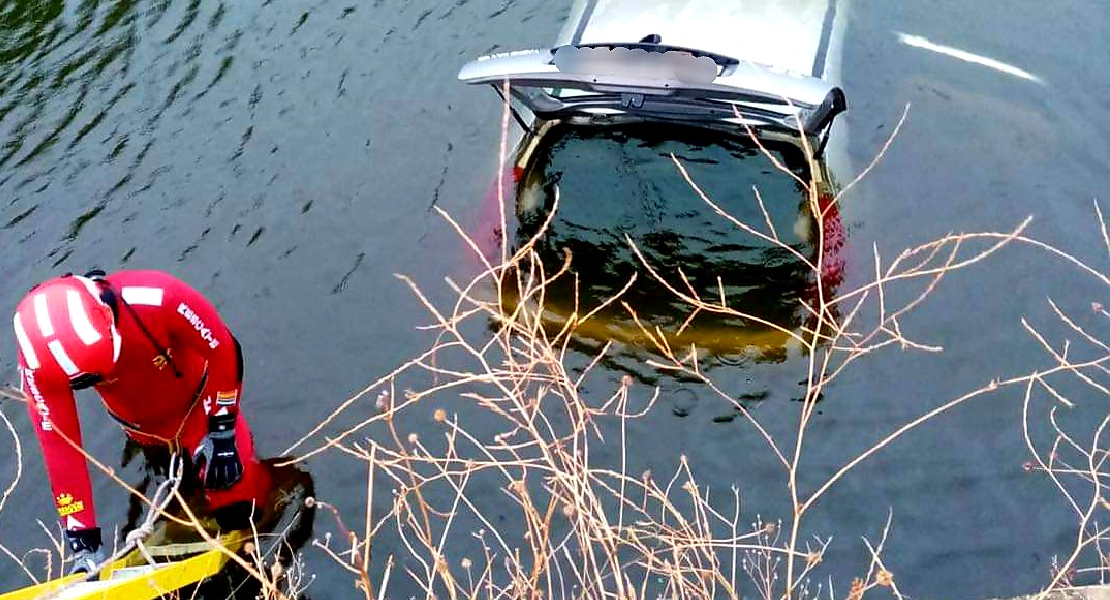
(620, 181)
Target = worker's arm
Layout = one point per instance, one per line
(53, 412)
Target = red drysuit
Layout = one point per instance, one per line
(157, 401)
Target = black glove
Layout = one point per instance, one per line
(85, 544)
(217, 457)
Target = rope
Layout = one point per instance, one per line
(135, 538)
(161, 500)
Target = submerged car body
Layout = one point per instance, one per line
(625, 82)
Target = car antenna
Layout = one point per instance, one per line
(652, 38)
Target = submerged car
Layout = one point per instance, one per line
(628, 89)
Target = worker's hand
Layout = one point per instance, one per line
(217, 457)
(87, 554)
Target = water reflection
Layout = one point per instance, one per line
(620, 181)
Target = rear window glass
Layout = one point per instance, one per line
(620, 181)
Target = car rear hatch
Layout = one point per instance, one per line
(658, 81)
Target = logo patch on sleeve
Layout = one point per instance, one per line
(66, 505)
(225, 398)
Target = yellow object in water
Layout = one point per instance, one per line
(132, 578)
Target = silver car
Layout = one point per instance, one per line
(629, 89)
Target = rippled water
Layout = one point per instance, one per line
(284, 158)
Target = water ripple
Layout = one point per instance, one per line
(190, 16)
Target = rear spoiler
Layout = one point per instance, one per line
(660, 72)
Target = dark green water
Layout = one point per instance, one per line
(621, 183)
(284, 157)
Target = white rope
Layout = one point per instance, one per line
(161, 499)
(142, 549)
(137, 535)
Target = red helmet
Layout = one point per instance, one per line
(67, 331)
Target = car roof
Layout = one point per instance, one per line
(787, 34)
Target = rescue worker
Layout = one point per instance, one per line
(166, 368)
